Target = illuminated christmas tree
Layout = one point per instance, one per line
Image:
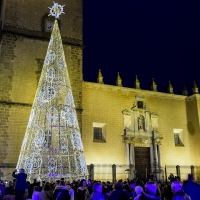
(52, 146)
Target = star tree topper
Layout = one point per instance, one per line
(56, 10)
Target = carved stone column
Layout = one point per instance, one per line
(155, 153)
(132, 172)
(132, 155)
(151, 157)
(127, 154)
(159, 156)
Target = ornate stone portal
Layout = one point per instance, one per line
(141, 130)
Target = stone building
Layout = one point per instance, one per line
(139, 131)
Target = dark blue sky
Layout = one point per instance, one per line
(151, 39)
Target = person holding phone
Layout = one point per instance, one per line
(20, 184)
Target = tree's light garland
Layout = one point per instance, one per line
(52, 146)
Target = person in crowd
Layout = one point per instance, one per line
(36, 193)
(9, 188)
(132, 186)
(167, 194)
(191, 188)
(139, 191)
(118, 193)
(150, 192)
(178, 192)
(82, 191)
(75, 187)
(27, 191)
(97, 192)
(32, 186)
(71, 191)
(106, 190)
(20, 184)
(109, 186)
(46, 193)
(61, 192)
(2, 190)
(89, 186)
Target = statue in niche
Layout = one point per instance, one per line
(141, 122)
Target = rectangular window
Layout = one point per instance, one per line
(99, 132)
(177, 140)
(140, 104)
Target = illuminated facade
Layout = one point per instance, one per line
(118, 125)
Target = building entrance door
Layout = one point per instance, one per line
(142, 162)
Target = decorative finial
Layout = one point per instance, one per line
(184, 90)
(137, 83)
(100, 77)
(195, 88)
(170, 88)
(56, 10)
(153, 85)
(119, 80)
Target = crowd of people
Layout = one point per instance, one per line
(21, 189)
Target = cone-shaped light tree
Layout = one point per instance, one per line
(52, 146)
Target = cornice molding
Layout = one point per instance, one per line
(137, 92)
(38, 35)
(193, 97)
(8, 165)
(11, 103)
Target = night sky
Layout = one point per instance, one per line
(151, 39)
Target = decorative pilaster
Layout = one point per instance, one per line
(137, 83)
(195, 89)
(170, 88)
(153, 85)
(100, 77)
(118, 80)
(184, 90)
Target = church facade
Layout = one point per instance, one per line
(129, 131)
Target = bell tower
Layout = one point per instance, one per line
(24, 36)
